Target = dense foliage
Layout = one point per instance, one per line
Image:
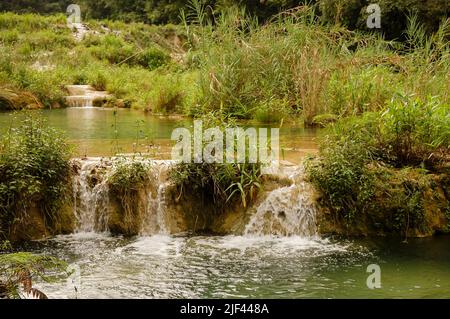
(296, 66)
(351, 13)
(293, 67)
(128, 176)
(385, 155)
(40, 56)
(219, 183)
(34, 172)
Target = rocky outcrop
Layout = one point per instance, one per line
(405, 203)
(33, 225)
(12, 99)
(157, 206)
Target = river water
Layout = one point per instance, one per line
(247, 267)
(105, 132)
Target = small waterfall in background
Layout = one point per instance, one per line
(83, 95)
(287, 211)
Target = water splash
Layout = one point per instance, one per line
(287, 211)
(91, 198)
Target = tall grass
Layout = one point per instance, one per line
(296, 66)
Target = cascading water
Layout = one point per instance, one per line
(92, 202)
(91, 197)
(154, 221)
(83, 95)
(287, 211)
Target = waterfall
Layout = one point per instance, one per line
(83, 95)
(92, 203)
(155, 219)
(287, 211)
(91, 197)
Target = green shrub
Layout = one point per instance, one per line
(365, 162)
(218, 183)
(99, 82)
(34, 170)
(167, 95)
(341, 174)
(112, 49)
(128, 176)
(153, 58)
(415, 131)
(30, 22)
(9, 36)
(360, 91)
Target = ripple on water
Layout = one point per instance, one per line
(194, 267)
(247, 267)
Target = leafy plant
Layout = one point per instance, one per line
(128, 179)
(219, 183)
(34, 170)
(128, 175)
(366, 159)
(18, 270)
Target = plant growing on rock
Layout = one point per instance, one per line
(127, 181)
(383, 166)
(34, 173)
(219, 183)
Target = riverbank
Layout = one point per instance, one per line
(197, 69)
(148, 202)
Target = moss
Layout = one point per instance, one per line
(406, 202)
(126, 214)
(128, 186)
(66, 221)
